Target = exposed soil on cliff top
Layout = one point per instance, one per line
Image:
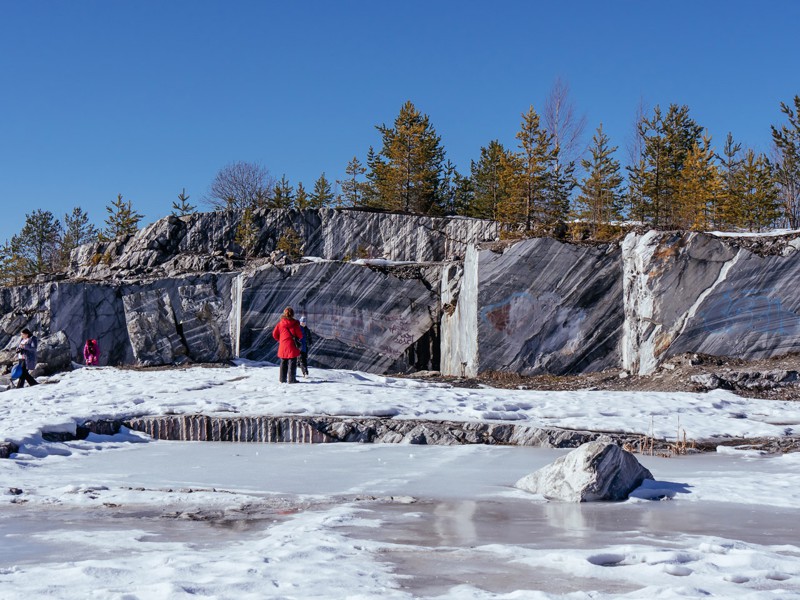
(773, 378)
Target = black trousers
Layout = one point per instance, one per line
(289, 367)
(304, 362)
(26, 376)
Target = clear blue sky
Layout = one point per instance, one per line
(144, 98)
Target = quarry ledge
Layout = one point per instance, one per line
(330, 429)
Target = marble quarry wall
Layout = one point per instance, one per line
(536, 306)
(541, 306)
(206, 242)
(694, 292)
(441, 294)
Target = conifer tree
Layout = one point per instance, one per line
(495, 189)
(291, 243)
(760, 195)
(600, 200)
(38, 243)
(247, 232)
(730, 209)
(537, 157)
(449, 188)
(122, 219)
(323, 193)
(302, 199)
(786, 167)
(352, 189)
(405, 174)
(181, 206)
(77, 231)
(697, 189)
(666, 139)
(13, 267)
(282, 194)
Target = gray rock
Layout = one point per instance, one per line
(152, 328)
(534, 307)
(694, 292)
(53, 355)
(206, 241)
(360, 318)
(596, 471)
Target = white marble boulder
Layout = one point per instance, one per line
(595, 471)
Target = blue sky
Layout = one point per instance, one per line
(145, 98)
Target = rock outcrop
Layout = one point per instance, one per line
(596, 471)
(536, 306)
(181, 290)
(694, 292)
(206, 242)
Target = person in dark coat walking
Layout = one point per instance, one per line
(285, 332)
(27, 357)
(305, 344)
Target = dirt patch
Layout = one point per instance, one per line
(770, 378)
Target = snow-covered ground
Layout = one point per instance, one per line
(126, 518)
(254, 390)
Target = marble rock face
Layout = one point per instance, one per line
(174, 320)
(694, 292)
(206, 242)
(79, 310)
(360, 318)
(53, 354)
(595, 471)
(537, 306)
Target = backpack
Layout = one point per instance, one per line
(16, 371)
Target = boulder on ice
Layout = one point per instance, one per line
(596, 471)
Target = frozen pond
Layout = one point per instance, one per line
(429, 520)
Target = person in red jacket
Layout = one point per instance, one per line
(286, 332)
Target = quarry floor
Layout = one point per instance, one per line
(675, 375)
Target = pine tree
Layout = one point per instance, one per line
(77, 231)
(600, 200)
(537, 160)
(122, 219)
(181, 206)
(352, 189)
(291, 243)
(730, 210)
(697, 189)
(666, 140)
(38, 243)
(496, 186)
(760, 195)
(302, 200)
(282, 194)
(405, 174)
(323, 193)
(13, 267)
(486, 181)
(786, 167)
(247, 232)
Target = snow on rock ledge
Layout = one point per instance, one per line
(596, 471)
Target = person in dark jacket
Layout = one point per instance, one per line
(305, 344)
(27, 357)
(285, 332)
